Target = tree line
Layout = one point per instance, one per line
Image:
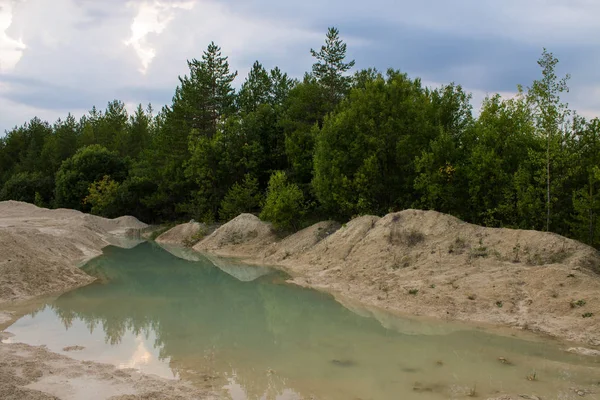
(333, 144)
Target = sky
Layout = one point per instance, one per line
(61, 56)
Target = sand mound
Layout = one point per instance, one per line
(298, 243)
(244, 231)
(127, 221)
(432, 264)
(182, 234)
(41, 248)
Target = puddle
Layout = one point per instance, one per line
(257, 338)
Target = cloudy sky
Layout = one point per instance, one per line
(58, 56)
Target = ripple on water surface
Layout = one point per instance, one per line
(258, 338)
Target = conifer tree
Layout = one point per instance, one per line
(207, 94)
(255, 90)
(330, 66)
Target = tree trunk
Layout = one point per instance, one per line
(548, 184)
(591, 223)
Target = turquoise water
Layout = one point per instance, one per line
(252, 336)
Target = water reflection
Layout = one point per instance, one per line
(263, 340)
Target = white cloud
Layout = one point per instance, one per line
(152, 17)
(11, 49)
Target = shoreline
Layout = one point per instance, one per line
(358, 261)
(383, 312)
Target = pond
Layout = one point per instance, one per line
(256, 337)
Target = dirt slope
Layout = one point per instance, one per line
(180, 235)
(431, 264)
(243, 234)
(40, 248)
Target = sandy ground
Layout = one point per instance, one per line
(34, 373)
(431, 264)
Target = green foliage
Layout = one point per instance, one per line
(305, 108)
(550, 115)
(202, 102)
(206, 96)
(365, 152)
(256, 90)
(241, 198)
(103, 197)
(30, 187)
(88, 165)
(138, 133)
(217, 163)
(585, 225)
(61, 145)
(284, 205)
(38, 200)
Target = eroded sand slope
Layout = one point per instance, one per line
(431, 264)
(40, 248)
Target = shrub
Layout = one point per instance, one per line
(25, 186)
(579, 303)
(90, 164)
(458, 246)
(284, 205)
(479, 252)
(103, 197)
(240, 199)
(409, 238)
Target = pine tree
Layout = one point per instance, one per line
(281, 85)
(111, 130)
(138, 131)
(330, 66)
(207, 94)
(256, 90)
